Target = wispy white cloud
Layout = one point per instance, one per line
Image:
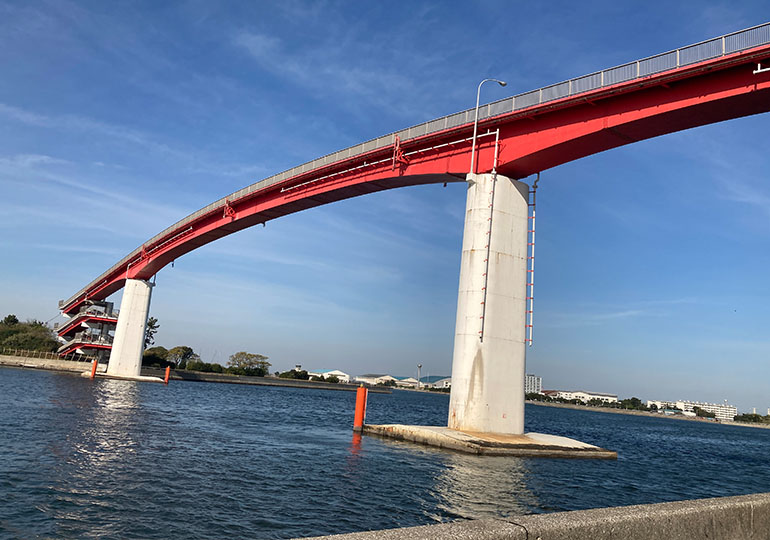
(593, 315)
(577, 319)
(72, 248)
(272, 297)
(193, 162)
(328, 70)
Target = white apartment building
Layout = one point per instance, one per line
(533, 384)
(661, 405)
(723, 411)
(583, 396)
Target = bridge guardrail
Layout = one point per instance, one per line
(652, 65)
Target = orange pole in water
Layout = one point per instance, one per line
(93, 368)
(358, 421)
(168, 371)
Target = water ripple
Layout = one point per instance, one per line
(114, 459)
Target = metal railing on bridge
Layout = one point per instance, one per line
(639, 69)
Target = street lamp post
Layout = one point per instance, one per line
(476, 120)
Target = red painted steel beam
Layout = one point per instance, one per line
(531, 140)
(74, 323)
(75, 346)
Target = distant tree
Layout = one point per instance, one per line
(152, 329)
(316, 378)
(703, 413)
(180, 355)
(633, 403)
(155, 356)
(752, 418)
(31, 335)
(196, 365)
(246, 363)
(299, 374)
(332, 379)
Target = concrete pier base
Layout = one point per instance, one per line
(137, 378)
(492, 444)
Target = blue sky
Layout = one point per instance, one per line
(119, 118)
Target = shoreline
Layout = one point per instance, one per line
(71, 366)
(643, 413)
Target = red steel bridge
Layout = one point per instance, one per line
(715, 80)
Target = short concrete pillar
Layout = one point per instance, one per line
(128, 345)
(489, 351)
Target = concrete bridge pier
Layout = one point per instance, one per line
(489, 350)
(128, 344)
(486, 406)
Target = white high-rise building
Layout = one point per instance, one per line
(533, 384)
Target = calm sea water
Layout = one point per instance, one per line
(114, 459)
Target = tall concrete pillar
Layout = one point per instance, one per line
(128, 345)
(489, 351)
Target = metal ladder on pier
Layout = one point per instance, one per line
(530, 300)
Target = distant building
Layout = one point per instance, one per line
(446, 382)
(324, 373)
(406, 382)
(533, 384)
(436, 381)
(722, 411)
(581, 395)
(374, 379)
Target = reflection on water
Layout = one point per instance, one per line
(100, 436)
(110, 433)
(473, 487)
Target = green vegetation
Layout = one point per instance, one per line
(152, 329)
(703, 413)
(31, 335)
(329, 379)
(387, 383)
(180, 355)
(156, 357)
(300, 375)
(249, 364)
(752, 418)
(184, 357)
(634, 403)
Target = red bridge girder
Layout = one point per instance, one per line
(530, 140)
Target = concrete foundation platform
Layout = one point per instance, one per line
(492, 444)
(138, 378)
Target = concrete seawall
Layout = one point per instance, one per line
(48, 363)
(725, 518)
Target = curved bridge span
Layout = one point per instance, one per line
(693, 86)
(719, 79)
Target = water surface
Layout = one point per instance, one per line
(117, 459)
